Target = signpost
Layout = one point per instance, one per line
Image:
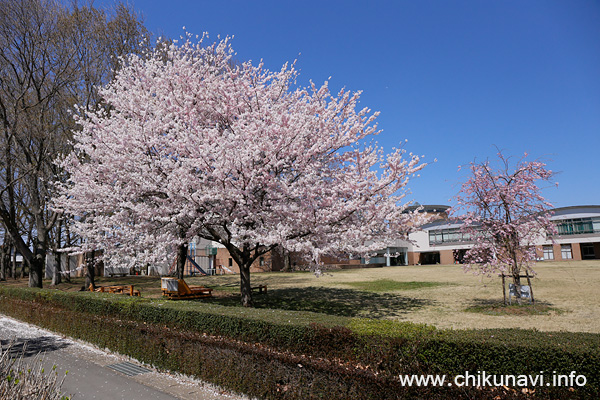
(526, 290)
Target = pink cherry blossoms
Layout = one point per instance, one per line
(504, 214)
(191, 143)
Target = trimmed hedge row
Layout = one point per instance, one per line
(293, 359)
(254, 370)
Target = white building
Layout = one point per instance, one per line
(441, 241)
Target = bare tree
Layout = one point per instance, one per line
(52, 56)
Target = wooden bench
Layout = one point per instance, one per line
(118, 289)
(186, 292)
(260, 288)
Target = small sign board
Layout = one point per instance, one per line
(525, 291)
(169, 284)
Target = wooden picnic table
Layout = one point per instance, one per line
(118, 289)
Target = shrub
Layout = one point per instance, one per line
(281, 354)
(20, 380)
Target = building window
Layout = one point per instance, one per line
(587, 251)
(230, 262)
(548, 253)
(452, 235)
(261, 261)
(565, 251)
(577, 226)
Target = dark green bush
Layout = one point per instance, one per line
(277, 354)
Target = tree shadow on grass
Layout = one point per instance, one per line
(333, 301)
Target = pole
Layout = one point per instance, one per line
(503, 288)
(530, 288)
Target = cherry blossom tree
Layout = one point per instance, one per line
(193, 144)
(504, 214)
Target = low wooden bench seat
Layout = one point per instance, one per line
(260, 288)
(184, 291)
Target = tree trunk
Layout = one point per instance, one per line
(90, 270)
(67, 256)
(182, 252)
(5, 258)
(36, 266)
(57, 269)
(27, 261)
(516, 275)
(245, 288)
(24, 266)
(67, 274)
(56, 278)
(516, 271)
(13, 264)
(3, 261)
(35, 272)
(287, 265)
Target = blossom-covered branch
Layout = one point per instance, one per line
(192, 144)
(504, 213)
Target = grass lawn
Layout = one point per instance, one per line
(567, 295)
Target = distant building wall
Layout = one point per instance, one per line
(446, 257)
(578, 238)
(440, 241)
(229, 266)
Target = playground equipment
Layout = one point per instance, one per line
(191, 264)
(177, 289)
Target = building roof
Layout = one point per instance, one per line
(570, 212)
(428, 208)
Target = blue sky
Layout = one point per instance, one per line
(455, 78)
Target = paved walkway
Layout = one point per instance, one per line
(96, 374)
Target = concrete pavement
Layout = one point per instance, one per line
(96, 374)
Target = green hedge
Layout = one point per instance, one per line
(282, 354)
